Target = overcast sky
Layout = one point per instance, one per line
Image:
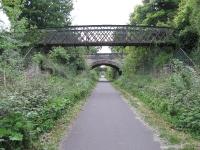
(103, 11)
(3, 19)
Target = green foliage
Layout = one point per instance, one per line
(59, 54)
(111, 73)
(18, 25)
(51, 13)
(31, 107)
(195, 55)
(38, 58)
(37, 88)
(73, 57)
(14, 129)
(151, 13)
(175, 97)
(187, 21)
(181, 14)
(182, 19)
(188, 39)
(61, 61)
(145, 59)
(162, 59)
(155, 12)
(135, 59)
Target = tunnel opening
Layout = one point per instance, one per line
(107, 72)
(111, 65)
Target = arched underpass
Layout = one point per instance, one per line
(109, 63)
(114, 60)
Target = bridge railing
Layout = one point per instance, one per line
(107, 35)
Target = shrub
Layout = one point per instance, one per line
(176, 97)
(31, 107)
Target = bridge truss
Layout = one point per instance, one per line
(107, 35)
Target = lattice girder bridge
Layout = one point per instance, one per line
(107, 35)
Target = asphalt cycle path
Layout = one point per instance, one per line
(108, 123)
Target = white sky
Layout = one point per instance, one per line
(97, 12)
(88, 12)
(4, 23)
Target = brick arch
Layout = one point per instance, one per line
(110, 63)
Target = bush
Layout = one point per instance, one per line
(60, 55)
(61, 61)
(176, 97)
(31, 107)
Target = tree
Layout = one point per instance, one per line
(187, 22)
(155, 12)
(15, 40)
(151, 13)
(47, 13)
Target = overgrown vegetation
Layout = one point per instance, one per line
(37, 85)
(182, 15)
(31, 107)
(111, 73)
(176, 97)
(161, 77)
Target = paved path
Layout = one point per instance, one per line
(107, 123)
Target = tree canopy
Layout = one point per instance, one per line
(47, 13)
(42, 13)
(155, 12)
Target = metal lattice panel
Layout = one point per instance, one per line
(107, 35)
